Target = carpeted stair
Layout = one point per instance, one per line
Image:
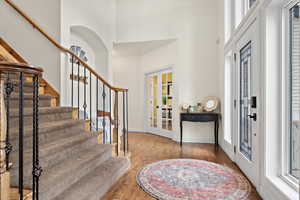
(74, 165)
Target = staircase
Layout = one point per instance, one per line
(76, 160)
(80, 157)
(74, 165)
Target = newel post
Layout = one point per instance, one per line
(116, 135)
(4, 174)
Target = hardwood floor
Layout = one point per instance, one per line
(146, 149)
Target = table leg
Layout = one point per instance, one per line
(181, 133)
(217, 133)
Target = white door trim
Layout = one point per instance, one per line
(164, 133)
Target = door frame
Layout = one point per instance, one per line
(260, 109)
(164, 133)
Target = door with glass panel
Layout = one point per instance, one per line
(247, 107)
(160, 102)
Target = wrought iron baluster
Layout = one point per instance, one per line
(34, 141)
(103, 117)
(36, 168)
(124, 128)
(72, 80)
(117, 118)
(8, 90)
(90, 101)
(127, 121)
(110, 116)
(78, 77)
(21, 134)
(84, 104)
(96, 104)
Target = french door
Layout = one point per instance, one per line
(247, 107)
(160, 102)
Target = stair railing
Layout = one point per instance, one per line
(9, 71)
(103, 106)
(106, 96)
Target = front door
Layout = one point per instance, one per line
(160, 102)
(248, 107)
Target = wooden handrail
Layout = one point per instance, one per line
(19, 67)
(60, 47)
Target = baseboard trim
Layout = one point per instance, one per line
(184, 140)
(136, 131)
(276, 189)
(196, 140)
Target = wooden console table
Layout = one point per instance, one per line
(201, 117)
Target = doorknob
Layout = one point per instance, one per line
(254, 116)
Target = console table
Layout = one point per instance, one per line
(201, 117)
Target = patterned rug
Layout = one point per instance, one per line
(187, 179)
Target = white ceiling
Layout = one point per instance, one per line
(138, 48)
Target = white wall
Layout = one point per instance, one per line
(194, 55)
(99, 18)
(28, 42)
(126, 70)
(142, 20)
(57, 17)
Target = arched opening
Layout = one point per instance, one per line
(92, 44)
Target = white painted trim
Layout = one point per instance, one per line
(164, 133)
(228, 149)
(245, 22)
(285, 101)
(136, 131)
(276, 189)
(196, 140)
(270, 188)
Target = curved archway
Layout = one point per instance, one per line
(96, 51)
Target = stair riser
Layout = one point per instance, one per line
(100, 192)
(91, 186)
(48, 193)
(26, 89)
(48, 160)
(51, 117)
(49, 136)
(14, 76)
(14, 103)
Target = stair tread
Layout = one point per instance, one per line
(25, 83)
(29, 96)
(72, 169)
(46, 127)
(57, 152)
(75, 161)
(60, 143)
(98, 180)
(42, 110)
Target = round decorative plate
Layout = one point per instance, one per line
(188, 179)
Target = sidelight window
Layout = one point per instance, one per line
(294, 91)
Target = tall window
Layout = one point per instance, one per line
(294, 91)
(228, 98)
(251, 3)
(241, 9)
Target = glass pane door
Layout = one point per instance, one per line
(167, 100)
(245, 95)
(153, 100)
(160, 102)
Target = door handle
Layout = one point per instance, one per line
(254, 116)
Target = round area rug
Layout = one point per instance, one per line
(188, 179)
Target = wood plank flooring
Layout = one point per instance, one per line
(147, 148)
